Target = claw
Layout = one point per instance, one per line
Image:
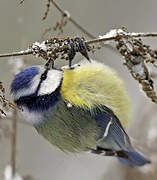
(71, 52)
(49, 64)
(78, 45)
(82, 47)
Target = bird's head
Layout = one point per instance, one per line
(36, 88)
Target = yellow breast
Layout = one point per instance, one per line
(94, 84)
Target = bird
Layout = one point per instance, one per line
(83, 108)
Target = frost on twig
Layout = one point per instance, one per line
(53, 48)
(137, 55)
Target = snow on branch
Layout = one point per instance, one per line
(135, 53)
(57, 45)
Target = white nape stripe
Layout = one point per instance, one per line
(51, 83)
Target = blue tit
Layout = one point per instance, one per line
(84, 108)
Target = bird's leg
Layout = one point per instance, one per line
(109, 152)
(104, 152)
(82, 47)
(71, 52)
(49, 64)
(77, 45)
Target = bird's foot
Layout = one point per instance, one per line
(77, 45)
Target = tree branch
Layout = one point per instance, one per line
(13, 143)
(20, 53)
(135, 53)
(108, 37)
(67, 14)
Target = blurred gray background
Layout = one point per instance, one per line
(20, 25)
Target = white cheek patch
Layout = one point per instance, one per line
(51, 83)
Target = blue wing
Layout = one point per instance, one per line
(114, 141)
(113, 135)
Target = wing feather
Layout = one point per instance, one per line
(113, 136)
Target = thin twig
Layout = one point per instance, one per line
(47, 10)
(72, 20)
(22, 1)
(114, 37)
(133, 50)
(89, 34)
(20, 53)
(13, 143)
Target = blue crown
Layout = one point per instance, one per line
(23, 79)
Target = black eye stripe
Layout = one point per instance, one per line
(44, 75)
(42, 78)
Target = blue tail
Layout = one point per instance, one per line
(134, 159)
